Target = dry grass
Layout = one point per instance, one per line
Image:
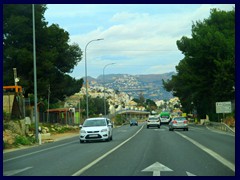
(230, 121)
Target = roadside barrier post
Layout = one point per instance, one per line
(39, 135)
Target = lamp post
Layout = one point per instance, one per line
(48, 102)
(35, 74)
(86, 72)
(104, 100)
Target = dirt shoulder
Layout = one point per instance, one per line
(61, 136)
(52, 138)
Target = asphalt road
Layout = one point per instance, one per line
(134, 151)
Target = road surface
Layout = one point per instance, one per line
(134, 151)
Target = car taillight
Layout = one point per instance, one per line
(185, 122)
(174, 122)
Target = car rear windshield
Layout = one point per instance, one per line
(153, 119)
(180, 118)
(164, 116)
(97, 122)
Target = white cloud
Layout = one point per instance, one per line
(138, 40)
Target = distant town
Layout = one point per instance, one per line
(121, 89)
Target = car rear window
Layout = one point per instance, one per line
(153, 119)
(180, 119)
(164, 116)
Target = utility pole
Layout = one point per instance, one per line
(15, 76)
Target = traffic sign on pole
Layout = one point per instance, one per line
(223, 107)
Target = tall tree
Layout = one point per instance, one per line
(207, 72)
(95, 106)
(150, 105)
(55, 57)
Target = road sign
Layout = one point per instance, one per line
(223, 107)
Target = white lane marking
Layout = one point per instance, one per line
(159, 129)
(104, 155)
(210, 152)
(156, 168)
(35, 152)
(13, 172)
(190, 174)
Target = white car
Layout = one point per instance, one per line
(96, 129)
(153, 121)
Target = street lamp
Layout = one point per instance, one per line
(86, 72)
(104, 100)
(35, 73)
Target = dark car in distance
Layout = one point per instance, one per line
(133, 122)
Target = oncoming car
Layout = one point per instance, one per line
(133, 122)
(96, 129)
(153, 121)
(178, 123)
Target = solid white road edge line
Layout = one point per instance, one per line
(104, 155)
(210, 152)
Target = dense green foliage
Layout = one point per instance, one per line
(206, 74)
(149, 104)
(119, 120)
(95, 106)
(55, 58)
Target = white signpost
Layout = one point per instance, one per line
(223, 107)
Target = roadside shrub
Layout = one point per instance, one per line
(6, 116)
(64, 129)
(119, 120)
(23, 140)
(4, 145)
(6, 126)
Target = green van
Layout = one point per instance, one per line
(165, 117)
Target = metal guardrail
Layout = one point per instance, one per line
(220, 126)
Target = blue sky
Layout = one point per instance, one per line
(138, 38)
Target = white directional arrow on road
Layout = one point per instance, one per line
(156, 168)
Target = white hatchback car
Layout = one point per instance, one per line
(96, 129)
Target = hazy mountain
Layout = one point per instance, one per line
(150, 85)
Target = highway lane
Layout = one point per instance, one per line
(61, 158)
(160, 152)
(220, 142)
(131, 152)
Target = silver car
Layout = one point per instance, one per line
(96, 129)
(178, 123)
